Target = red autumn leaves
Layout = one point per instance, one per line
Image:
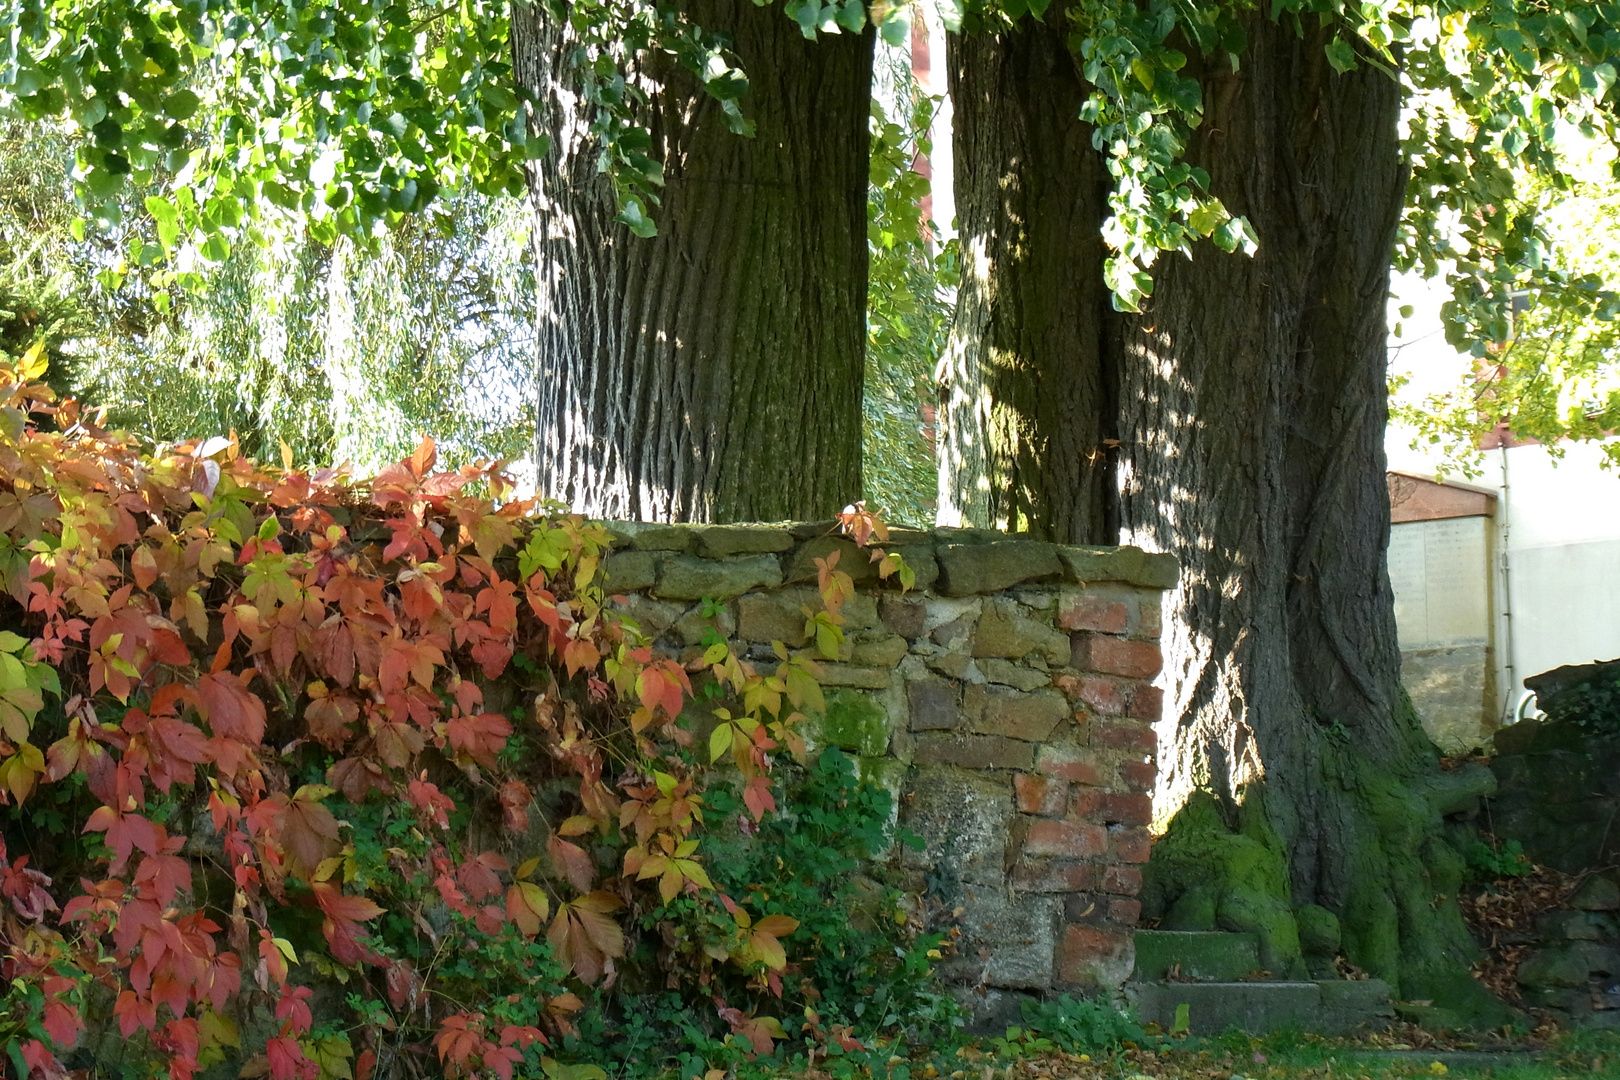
(209, 616)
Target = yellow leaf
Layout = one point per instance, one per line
(694, 872)
(719, 742)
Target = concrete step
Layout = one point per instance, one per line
(1199, 955)
(1328, 1007)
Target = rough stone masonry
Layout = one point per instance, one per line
(1006, 701)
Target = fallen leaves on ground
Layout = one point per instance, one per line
(1502, 917)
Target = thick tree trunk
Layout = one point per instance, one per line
(713, 372)
(1022, 386)
(1253, 394)
(1251, 411)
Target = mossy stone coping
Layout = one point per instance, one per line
(721, 561)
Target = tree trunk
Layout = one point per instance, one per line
(713, 372)
(1023, 387)
(1253, 431)
(1250, 404)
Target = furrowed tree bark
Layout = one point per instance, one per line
(1023, 388)
(713, 372)
(1253, 414)
(1251, 411)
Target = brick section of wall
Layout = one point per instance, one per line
(1006, 702)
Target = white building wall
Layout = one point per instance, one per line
(1556, 561)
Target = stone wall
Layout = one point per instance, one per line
(1006, 700)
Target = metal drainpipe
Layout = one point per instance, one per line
(1510, 701)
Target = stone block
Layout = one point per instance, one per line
(775, 616)
(627, 571)
(852, 560)
(969, 569)
(920, 558)
(722, 541)
(692, 627)
(1116, 656)
(685, 577)
(652, 616)
(1091, 956)
(1031, 716)
(1569, 926)
(1065, 839)
(1218, 957)
(1004, 630)
(1350, 1005)
(1130, 565)
(952, 665)
(934, 705)
(860, 611)
(852, 721)
(903, 616)
(974, 751)
(651, 536)
(863, 678)
(883, 651)
(1008, 673)
(964, 821)
(1597, 893)
(955, 634)
(1258, 1008)
(1011, 940)
(1569, 963)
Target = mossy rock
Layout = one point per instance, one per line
(1204, 876)
(854, 722)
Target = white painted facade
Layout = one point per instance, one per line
(1554, 543)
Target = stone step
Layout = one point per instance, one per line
(1328, 1007)
(1200, 955)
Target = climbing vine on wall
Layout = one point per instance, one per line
(257, 709)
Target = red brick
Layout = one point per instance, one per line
(1124, 880)
(1054, 876)
(1086, 948)
(1101, 693)
(1066, 765)
(1148, 624)
(1094, 613)
(1126, 808)
(1066, 839)
(1086, 802)
(1116, 656)
(1138, 775)
(1041, 795)
(1130, 843)
(1124, 736)
(1147, 703)
(1123, 912)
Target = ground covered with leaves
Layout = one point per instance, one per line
(1403, 1051)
